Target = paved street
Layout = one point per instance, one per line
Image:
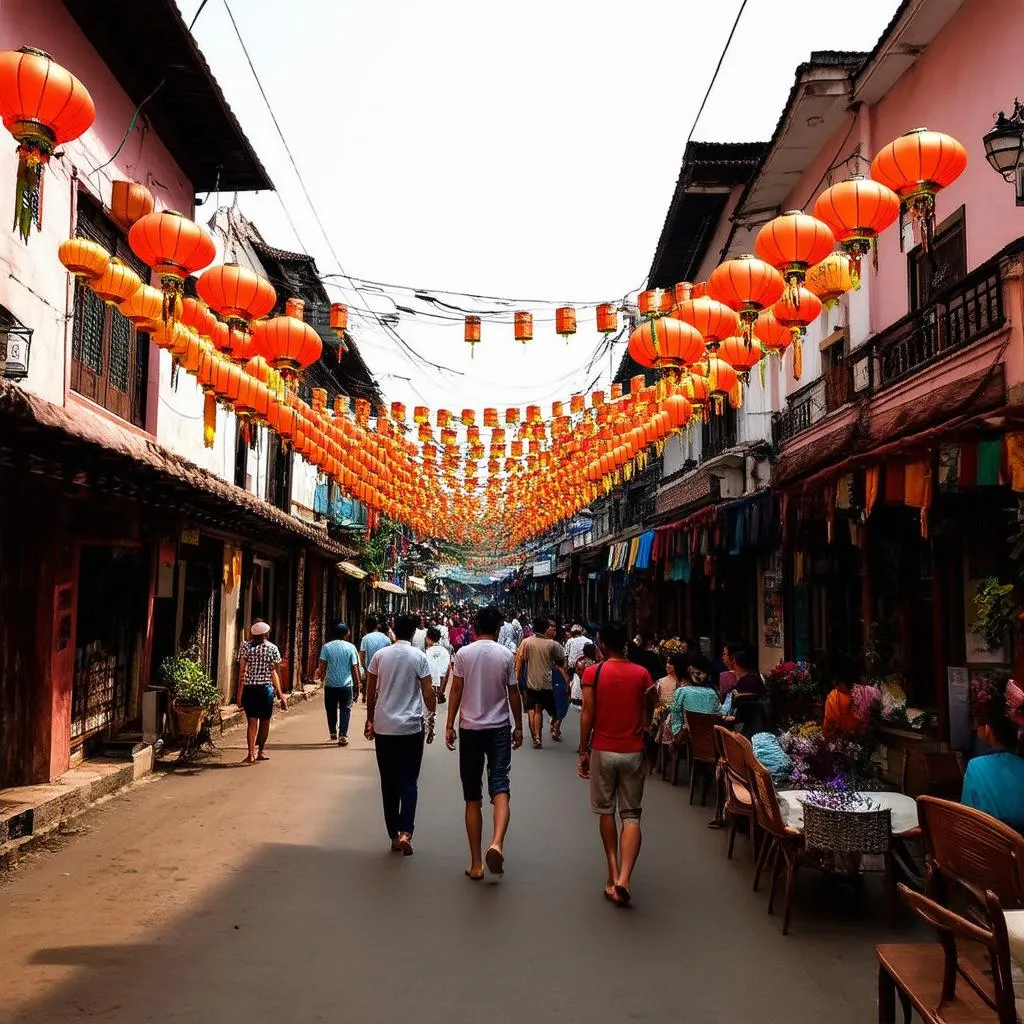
(230, 893)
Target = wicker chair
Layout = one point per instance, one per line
(703, 751)
(932, 773)
(780, 844)
(971, 852)
(735, 755)
(939, 982)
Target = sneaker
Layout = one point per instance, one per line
(343, 741)
(334, 736)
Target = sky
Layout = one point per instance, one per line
(524, 150)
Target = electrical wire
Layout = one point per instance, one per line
(836, 162)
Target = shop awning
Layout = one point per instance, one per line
(387, 587)
(416, 583)
(350, 569)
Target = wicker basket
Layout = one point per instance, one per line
(847, 831)
(188, 721)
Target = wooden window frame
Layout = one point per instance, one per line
(954, 225)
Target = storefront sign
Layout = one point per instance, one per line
(189, 536)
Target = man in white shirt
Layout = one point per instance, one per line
(507, 635)
(484, 691)
(399, 697)
(419, 638)
(440, 663)
(574, 646)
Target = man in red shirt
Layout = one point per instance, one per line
(618, 699)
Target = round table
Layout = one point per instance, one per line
(904, 808)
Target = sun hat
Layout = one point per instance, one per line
(260, 628)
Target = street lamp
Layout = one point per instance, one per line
(1004, 147)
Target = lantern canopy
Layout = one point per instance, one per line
(747, 285)
(43, 106)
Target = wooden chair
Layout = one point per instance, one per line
(940, 983)
(782, 847)
(735, 757)
(703, 751)
(674, 753)
(971, 852)
(932, 773)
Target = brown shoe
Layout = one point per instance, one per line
(405, 843)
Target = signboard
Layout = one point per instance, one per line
(542, 568)
(189, 535)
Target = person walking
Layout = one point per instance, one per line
(339, 668)
(574, 646)
(258, 683)
(484, 697)
(375, 638)
(440, 663)
(618, 699)
(539, 654)
(400, 710)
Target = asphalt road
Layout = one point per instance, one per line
(265, 893)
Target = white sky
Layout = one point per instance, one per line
(527, 149)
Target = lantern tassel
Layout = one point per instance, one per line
(28, 193)
(761, 368)
(798, 357)
(736, 395)
(209, 419)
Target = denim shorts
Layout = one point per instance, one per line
(258, 701)
(477, 746)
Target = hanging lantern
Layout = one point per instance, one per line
(421, 414)
(144, 307)
(490, 417)
(83, 257)
(747, 285)
(654, 302)
(576, 404)
(293, 307)
(721, 380)
(468, 417)
(129, 202)
(793, 242)
(398, 412)
(565, 321)
(239, 295)
(43, 106)
(665, 344)
(116, 283)
(472, 332)
(289, 345)
(857, 210)
(714, 320)
(831, 279)
(511, 416)
(740, 356)
(339, 318)
(174, 247)
(615, 392)
(694, 386)
(796, 312)
(774, 337)
(607, 318)
(916, 166)
(523, 326)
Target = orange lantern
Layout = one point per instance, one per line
(289, 345)
(444, 417)
(679, 410)
(654, 302)
(916, 166)
(490, 417)
(471, 333)
(713, 319)
(747, 285)
(721, 380)
(774, 338)
(83, 257)
(468, 417)
(665, 344)
(174, 247)
(421, 414)
(398, 412)
(43, 106)
(615, 392)
(339, 318)
(796, 312)
(511, 416)
(576, 404)
(565, 321)
(193, 315)
(694, 386)
(144, 307)
(116, 283)
(741, 356)
(831, 279)
(607, 318)
(129, 202)
(792, 242)
(596, 399)
(523, 326)
(857, 210)
(294, 307)
(237, 293)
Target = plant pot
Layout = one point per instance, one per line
(188, 721)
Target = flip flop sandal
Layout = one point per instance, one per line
(495, 861)
(474, 878)
(622, 895)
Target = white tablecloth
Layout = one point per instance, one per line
(1015, 930)
(904, 808)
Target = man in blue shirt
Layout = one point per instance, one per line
(339, 661)
(374, 639)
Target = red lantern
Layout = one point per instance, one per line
(130, 201)
(793, 242)
(523, 325)
(796, 312)
(607, 318)
(472, 333)
(857, 210)
(565, 321)
(721, 380)
(741, 356)
(654, 302)
(339, 318)
(665, 344)
(715, 320)
(83, 257)
(144, 307)
(679, 410)
(746, 285)
(289, 345)
(43, 106)
(237, 293)
(916, 166)
(774, 337)
(174, 247)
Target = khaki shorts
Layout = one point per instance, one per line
(617, 782)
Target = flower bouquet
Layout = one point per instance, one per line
(817, 760)
(794, 694)
(673, 645)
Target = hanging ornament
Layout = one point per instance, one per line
(523, 326)
(43, 106)
(831, 279)
(289, 345)
(565, 321)
(607, 318)
(916, 166)
(472, 333)
(144, 307)
(129, 202)
(83, 257)
(796, 312)
(664, 344)
(857, 210)
(116, 283)
(747, 285)
(175, 248)
(240, 296)
(715, 320)
(793, 242)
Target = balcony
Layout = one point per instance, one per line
(957, 318)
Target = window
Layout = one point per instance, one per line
(241, 458)
(279, 473)
(942, 266)
(109, 357)
(718, 433)
(835, 369)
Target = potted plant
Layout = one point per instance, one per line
(996, 611)
(193, 693)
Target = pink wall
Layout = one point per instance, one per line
(33, 284)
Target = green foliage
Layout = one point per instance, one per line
(190, 685)
(374, 551)
(995, 608)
